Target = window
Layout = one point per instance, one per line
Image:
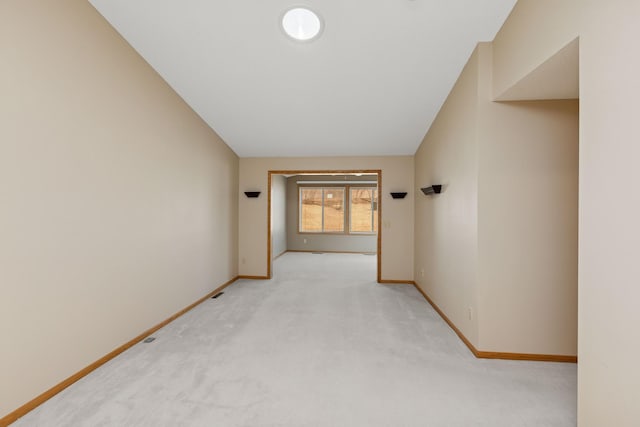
(363, 210)
(321, 210)
(327, 210)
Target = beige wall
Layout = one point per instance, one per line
(527, 222)
(608, 377)
(278, 215)
(397, 215)
(534, 32)
(119, 205)
(446, 229)
(499, 246)
(324, 242)
(528, 228)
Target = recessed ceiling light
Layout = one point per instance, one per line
(301, 24)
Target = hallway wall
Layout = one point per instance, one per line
(528, 222)
(499, 246)
(608, 377)
(446, 224)
(397, 215)
(119, 204)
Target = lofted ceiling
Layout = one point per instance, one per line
(371, 84)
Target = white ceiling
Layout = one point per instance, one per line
(370, 85)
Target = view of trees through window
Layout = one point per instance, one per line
(322, 210)
(364, 210)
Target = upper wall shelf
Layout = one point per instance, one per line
(434, 189)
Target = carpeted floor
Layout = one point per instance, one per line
(321, 344)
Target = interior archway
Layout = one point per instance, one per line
(378, 179)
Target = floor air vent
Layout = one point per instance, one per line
(317, 253)
(217, 295)
(148, 340)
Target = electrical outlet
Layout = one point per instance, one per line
(470, 312)
(244, 260)
(422, 272)
(304, 241)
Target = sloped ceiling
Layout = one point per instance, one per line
(370, 85)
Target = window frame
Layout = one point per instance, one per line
(374, 212)
(346, 229)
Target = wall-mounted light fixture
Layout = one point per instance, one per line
(252, 194)
(434, 189)
(398, 195)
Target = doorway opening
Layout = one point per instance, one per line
(324, 211)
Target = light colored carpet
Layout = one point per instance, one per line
(319, 345)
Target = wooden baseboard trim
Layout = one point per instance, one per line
(330, 252)
(31, 405)
(253, 277)
(396, 282)
(495, 354)
(446, 319)
(526, 356)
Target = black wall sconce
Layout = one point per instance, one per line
(398, 195)
(434, 189)
(252, 194)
